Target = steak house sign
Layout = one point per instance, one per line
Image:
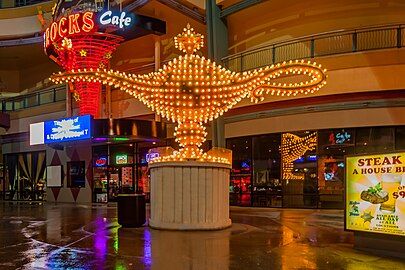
(82, 23)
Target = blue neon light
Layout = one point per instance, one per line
(329, 176)
(342, 137)
(151, 156)
(245, 165)
(67, 129)
(312, 158)
(299, 160)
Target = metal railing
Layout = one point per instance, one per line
(331, 43)
(55, 94)
(147, 68)
(20, 3)
(34, 99)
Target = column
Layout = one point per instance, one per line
(217, 39)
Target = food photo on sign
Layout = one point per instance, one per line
(375, 193)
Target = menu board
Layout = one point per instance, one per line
(375, 193)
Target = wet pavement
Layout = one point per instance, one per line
(67, 236)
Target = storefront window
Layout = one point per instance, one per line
(121, 169)
(142, 164)
(100, 177)
(113, 171)
(143, 173)
(299, 169)
(25, 176)
(241, 174)
(121, 173)
(376, 139)
(400, 138)
(100, 185)
(333, 145)
(113, 183)
(267, 186)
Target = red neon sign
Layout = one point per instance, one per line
(79, 23)
(100, 162)
(78, 41)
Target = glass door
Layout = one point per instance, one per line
(113, 183)
(100, 176)
(241, 174)
(144, 180)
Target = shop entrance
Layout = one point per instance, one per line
(113, 171)
(120, 181)
(120, 169)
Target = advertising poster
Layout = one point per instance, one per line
(67, 129)
(375, 193)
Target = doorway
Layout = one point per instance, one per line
(24, 176)
(120, 181)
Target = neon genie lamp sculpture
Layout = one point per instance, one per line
(191, 90)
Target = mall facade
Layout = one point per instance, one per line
(360, 110)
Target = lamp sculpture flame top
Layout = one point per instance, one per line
(192, 90)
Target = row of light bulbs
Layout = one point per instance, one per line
(192, 90)
(183, 155)
(190, 134)
(202, 104)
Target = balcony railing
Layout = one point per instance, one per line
(331, 43)
(19, 3)
(32, 100)
(55, 94)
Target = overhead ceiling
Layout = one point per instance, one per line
(25, 56)
(227, 3)
(197, 3)
(20, 57)
(201, 3)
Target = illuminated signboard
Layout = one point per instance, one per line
(342, 137)
(68, 129)
(78, 23)
(120, 20)
(121, 159)
(101, 162)
(151, 156)
(375, 193)
(82, 23)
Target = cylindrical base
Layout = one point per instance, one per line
(189, 195)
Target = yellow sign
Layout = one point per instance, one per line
(375, 193)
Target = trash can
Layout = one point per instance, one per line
(131, 210)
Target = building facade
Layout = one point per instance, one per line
(361, 110)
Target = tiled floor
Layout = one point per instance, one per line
(67, 236)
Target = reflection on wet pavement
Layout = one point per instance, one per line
(64, 236)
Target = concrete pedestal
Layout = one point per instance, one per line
(189, 195)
